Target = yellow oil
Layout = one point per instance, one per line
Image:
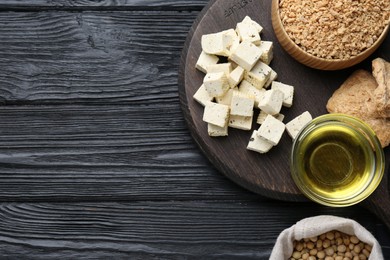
(335, 162)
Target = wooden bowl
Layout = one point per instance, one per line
(310, 60)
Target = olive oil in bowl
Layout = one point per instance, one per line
(337, 160)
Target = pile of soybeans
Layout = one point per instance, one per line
(333, 245)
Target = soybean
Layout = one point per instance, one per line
(333, 245)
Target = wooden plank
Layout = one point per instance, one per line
(127, 152)
(90, 57)
(239, 229)
(39, 5)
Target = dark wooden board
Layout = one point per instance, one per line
(266, 174)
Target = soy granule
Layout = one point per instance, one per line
(333, 245)
(334, 29)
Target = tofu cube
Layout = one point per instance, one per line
(272, 101)
(220, 67)
(266, 48)
(263, 115)
(227, 98)
(248, 89)
(287, 90)
(202, 96)
(218, 43)
(215, 131)
(213, 43)
(272, 77)
(216, 84)
(280, 117)
(236, 42)
(246, 55)
(271, 130)
(294, 126)
(231, 41)
(248, 20)
(205, 60)
(241, 122)
(236, 76)
(216, 114)
(258, 144)
(242, 104)
(258, 75)
(248, 32)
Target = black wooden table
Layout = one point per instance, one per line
(96, 160)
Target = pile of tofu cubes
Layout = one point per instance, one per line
(238, 80)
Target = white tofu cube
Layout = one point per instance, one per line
(248, 32)
(241, 122)
(216, 114)
(258, 144)
(202, 96)
(248, 20)
(215, 131)
(218, 43)
(205, 60)
(234, 45)
(246, 55)
(220, 67)
(280, 117)
(242, 104)
(294, 126)
(216, 84)
(236, 76)
(231, 41)
(227, 98)
(213, 43)
(272, 101)
(248, 89)
(263, 115)
(272, 76)
(266, 48)
(271, 130)
(287, 90)
(258, 75)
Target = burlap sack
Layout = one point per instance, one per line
(315, 226)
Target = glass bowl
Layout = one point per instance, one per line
(337, 160)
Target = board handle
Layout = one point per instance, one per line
(379, 201)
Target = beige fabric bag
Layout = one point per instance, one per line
(315, 226)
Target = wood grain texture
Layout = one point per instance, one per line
(39, 5)
(96, 160)
(97, 57)
(103, 152)
(156, 230)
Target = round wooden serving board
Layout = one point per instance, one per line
(266, 174)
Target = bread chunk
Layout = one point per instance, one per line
(381, 72)
(355, 97)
